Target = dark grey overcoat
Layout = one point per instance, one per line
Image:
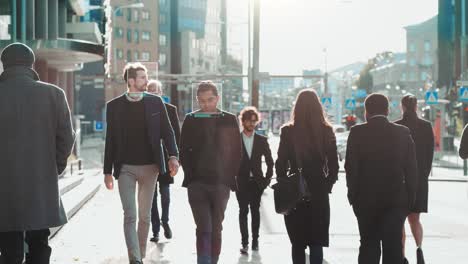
(36, 138)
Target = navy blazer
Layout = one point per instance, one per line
(157, 123)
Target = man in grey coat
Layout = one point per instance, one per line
(36, 139)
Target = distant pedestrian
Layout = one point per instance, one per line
(136, 123)
(463, 150)
(164, 179)
(423, 137)
(308, 142)
(251, 180)
(210, 153)
(382, 178)
(36, 140)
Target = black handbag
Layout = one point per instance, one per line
(290, 190)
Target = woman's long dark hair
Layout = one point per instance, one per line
(310, 122)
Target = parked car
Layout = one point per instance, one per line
(341, 140)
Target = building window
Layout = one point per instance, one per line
(145, 56)
(129, 15)
(162, 59)
(162, 2)
(146, 35)
(412, 47)
(194, 43)
(136, 36)
(119, 12)
(162, 40)
(412, 76)
(423, 76)
(118, 32)
(427, 45)
(135, 56)
(129, 35)
(129, 55)
(136, 16)
(403, 77)
(427, 60)
(119, 54)
(162, 19)
(145, 15)
(412, 62)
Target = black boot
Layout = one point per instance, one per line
(405, 261)
(419, 256)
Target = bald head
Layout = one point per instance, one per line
(155, 87)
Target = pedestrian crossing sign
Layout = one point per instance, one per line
(463, 94)
(326, 102)
(350, 104)
(432, 97)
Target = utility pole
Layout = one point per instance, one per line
(256, 54)
(175, 49)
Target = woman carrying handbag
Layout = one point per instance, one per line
(308, 147)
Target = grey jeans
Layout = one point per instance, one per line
(145, 176)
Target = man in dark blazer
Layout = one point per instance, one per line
(155, 87)
(210, 153)
(36, 140)
(137, 122)
(381, 175)
(251, 180)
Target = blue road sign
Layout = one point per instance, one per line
(350, 104)
(432, 97)
(166, 99)
(326, 102)
(98, 126)
(463, 94)
(360, 93)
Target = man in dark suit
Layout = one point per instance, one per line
(381, 175)
(136, 124)
(36, 140)
(251, 180)
(164, 179)
(463, 150)
(210, 153)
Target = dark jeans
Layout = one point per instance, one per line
(208, 203)
(315, 254)
(165, 201)
(251, 196)
(380, 227)
(12, 247)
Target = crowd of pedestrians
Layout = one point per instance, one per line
(387, 167)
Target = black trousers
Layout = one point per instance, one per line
(249, 196)
(380, 230)
(12, 247)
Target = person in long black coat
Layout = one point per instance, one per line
(36, 140)
(309, 139)
(423, 137)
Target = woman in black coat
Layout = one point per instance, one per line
(423, 136)
(309, 139)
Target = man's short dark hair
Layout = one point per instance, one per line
(205, 86)
(131, 69)
(248, 112)
(376, 104)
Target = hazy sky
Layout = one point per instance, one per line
(294, 33)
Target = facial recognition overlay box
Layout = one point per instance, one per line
(204, 102)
